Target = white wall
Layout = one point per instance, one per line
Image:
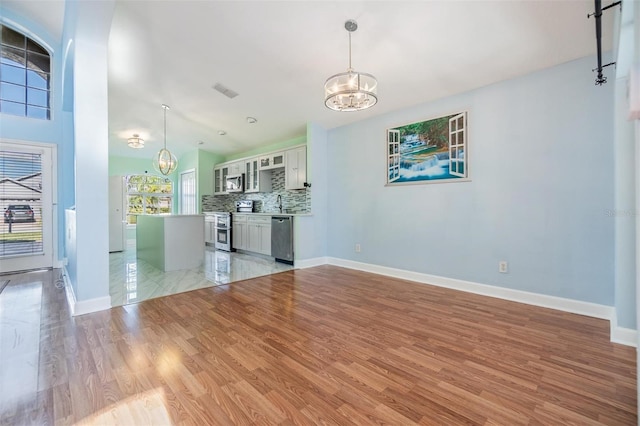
(91, 23)
(624, 154)
(624, 214)
(541, 164)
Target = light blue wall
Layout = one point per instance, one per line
(44, 131)
(311, 231)
(541, 164)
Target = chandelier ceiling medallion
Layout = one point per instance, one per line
(165, 162)
(351, 90)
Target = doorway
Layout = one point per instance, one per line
(27, 200)
(188, 193)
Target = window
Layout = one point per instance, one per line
(188, 192)
(393, 144)
(21, 203)
(457, 145)
(25, 68)
(148, 195)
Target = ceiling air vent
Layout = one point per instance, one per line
(227, 92)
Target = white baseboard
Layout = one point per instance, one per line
(68, 289)
(620, 335)
(310, 263)
(84, 306)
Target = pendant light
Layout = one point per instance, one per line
(165, 162)
(351, 90)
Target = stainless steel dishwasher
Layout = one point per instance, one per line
(282, 239)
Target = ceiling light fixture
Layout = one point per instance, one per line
(165, 162)
(252, 120)
(135, 142)
(222, 132)
(351, 90)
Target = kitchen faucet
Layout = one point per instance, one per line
(279, 201)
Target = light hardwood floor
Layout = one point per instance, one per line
(324, 345)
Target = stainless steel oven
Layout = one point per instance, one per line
(222, 229)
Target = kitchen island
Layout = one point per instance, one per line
(171, 242)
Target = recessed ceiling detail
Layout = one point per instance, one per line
(225, 91)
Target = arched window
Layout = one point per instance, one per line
(25, 75)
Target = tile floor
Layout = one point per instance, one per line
(133, 280)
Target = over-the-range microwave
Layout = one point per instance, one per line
(234, 183)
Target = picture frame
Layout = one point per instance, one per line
(429, 151)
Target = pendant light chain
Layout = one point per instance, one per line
(165, 107)
(350, 51)
(165, 162)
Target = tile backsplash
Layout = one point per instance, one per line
(297, 200)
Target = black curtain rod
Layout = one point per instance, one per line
(600, 79)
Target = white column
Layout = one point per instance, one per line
(91, 134)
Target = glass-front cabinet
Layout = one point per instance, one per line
(220, 174)
(251, 175)
(217, 180)
(256, 180)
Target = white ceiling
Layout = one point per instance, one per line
(277, 55)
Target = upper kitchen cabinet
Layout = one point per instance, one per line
(236, 168)
(220, 174)
(255, 179)
(296, 170)
(271, 161)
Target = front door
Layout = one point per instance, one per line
(27, 180)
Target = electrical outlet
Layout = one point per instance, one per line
(357, 248)
(503, 267)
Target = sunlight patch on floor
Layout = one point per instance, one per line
(148, 408)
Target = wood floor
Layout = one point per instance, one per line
(318, 346)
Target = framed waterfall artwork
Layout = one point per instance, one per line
(428, 151)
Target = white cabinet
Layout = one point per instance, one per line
(252, 233)
(259, 234)
(117, 216)
(239, 232)
(217, 180)
(296, 170)
(272, 161)
(251, 175)
(256, 180)
(209, 229)
(236, 168)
